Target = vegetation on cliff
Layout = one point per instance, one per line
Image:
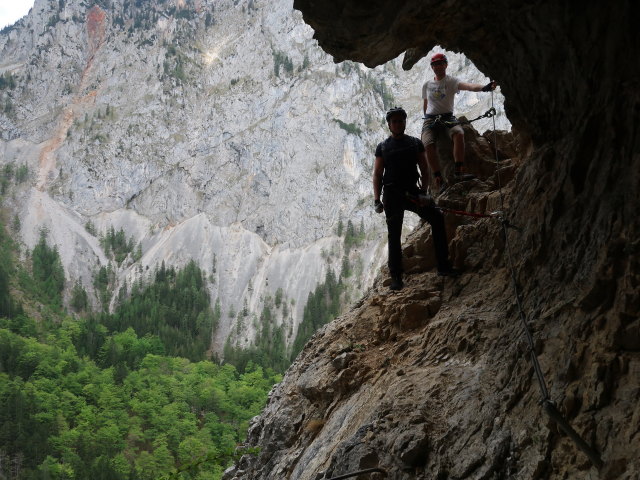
(128, 395)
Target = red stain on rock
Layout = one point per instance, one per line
(95, 28)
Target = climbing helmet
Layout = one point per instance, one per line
(439, 57)
(395, 110)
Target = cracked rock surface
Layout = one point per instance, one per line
(440, 385)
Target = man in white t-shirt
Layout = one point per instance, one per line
(438, 95)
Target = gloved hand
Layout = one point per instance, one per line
(489, 86)
(377, 206)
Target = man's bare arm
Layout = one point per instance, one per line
(476, 87)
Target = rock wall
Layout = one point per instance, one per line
(435, 382)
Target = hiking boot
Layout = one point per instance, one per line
(449, 272)
(463, 177)
(396, 283)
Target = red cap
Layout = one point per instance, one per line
(439, 57)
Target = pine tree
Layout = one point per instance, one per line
(79, 297)
(48, 272)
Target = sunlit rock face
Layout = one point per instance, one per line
(435, 382)
(215, 131)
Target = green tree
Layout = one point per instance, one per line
(175, 307)
(79, 297)
(7, 307)
(90, 227)
(278, 297)
(116, 245)
(47, 270)
(102, 282)
(323, 305)
(80, 399)
(345, 270)
(22, 173)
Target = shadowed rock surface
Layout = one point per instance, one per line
(435, 382)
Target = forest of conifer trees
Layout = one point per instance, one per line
(130, 391)
(123, 395)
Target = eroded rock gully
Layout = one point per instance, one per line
(434, 382)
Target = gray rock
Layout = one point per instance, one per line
(182, 134)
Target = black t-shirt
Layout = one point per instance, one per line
(400, 158)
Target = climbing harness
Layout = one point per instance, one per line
(448, 120)
(547, 403)
(360, 472)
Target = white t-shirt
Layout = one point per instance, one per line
(440, 94)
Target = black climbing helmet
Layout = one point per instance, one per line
(395, 110)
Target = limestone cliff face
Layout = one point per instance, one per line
(435, 382)
(215, 131)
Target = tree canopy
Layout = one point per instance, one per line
(129, 395)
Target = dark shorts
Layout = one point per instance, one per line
(430, 135)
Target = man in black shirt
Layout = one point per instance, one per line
(396, 169)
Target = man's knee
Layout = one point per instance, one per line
(457, 134)
(428, 138)
(431, 150)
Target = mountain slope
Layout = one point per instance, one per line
(214, 131)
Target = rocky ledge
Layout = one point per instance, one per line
(435, 382)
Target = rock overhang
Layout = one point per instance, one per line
(541, 53)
